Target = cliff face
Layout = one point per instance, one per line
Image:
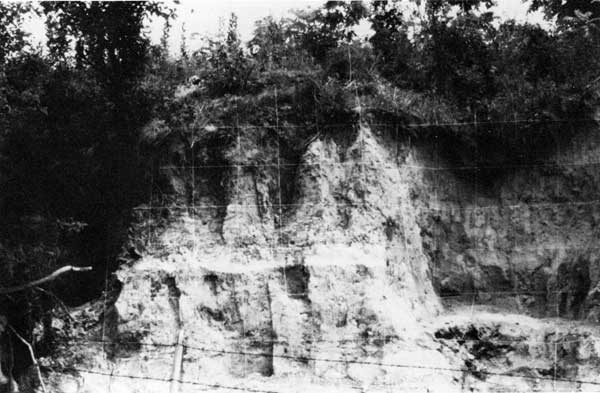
(378, 270)
(532, 231)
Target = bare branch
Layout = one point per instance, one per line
(33, 358)
(53, 276)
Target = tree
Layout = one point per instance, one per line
(566, 10)
(394, 50)
(578, 51)
(271, 42)
(455, 54)
(227, 69)
(527, 72)
(12, 36)
(105, 37)
(321, 30)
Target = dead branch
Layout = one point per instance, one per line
(33, 358)
(53, 276)
(13, 388)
